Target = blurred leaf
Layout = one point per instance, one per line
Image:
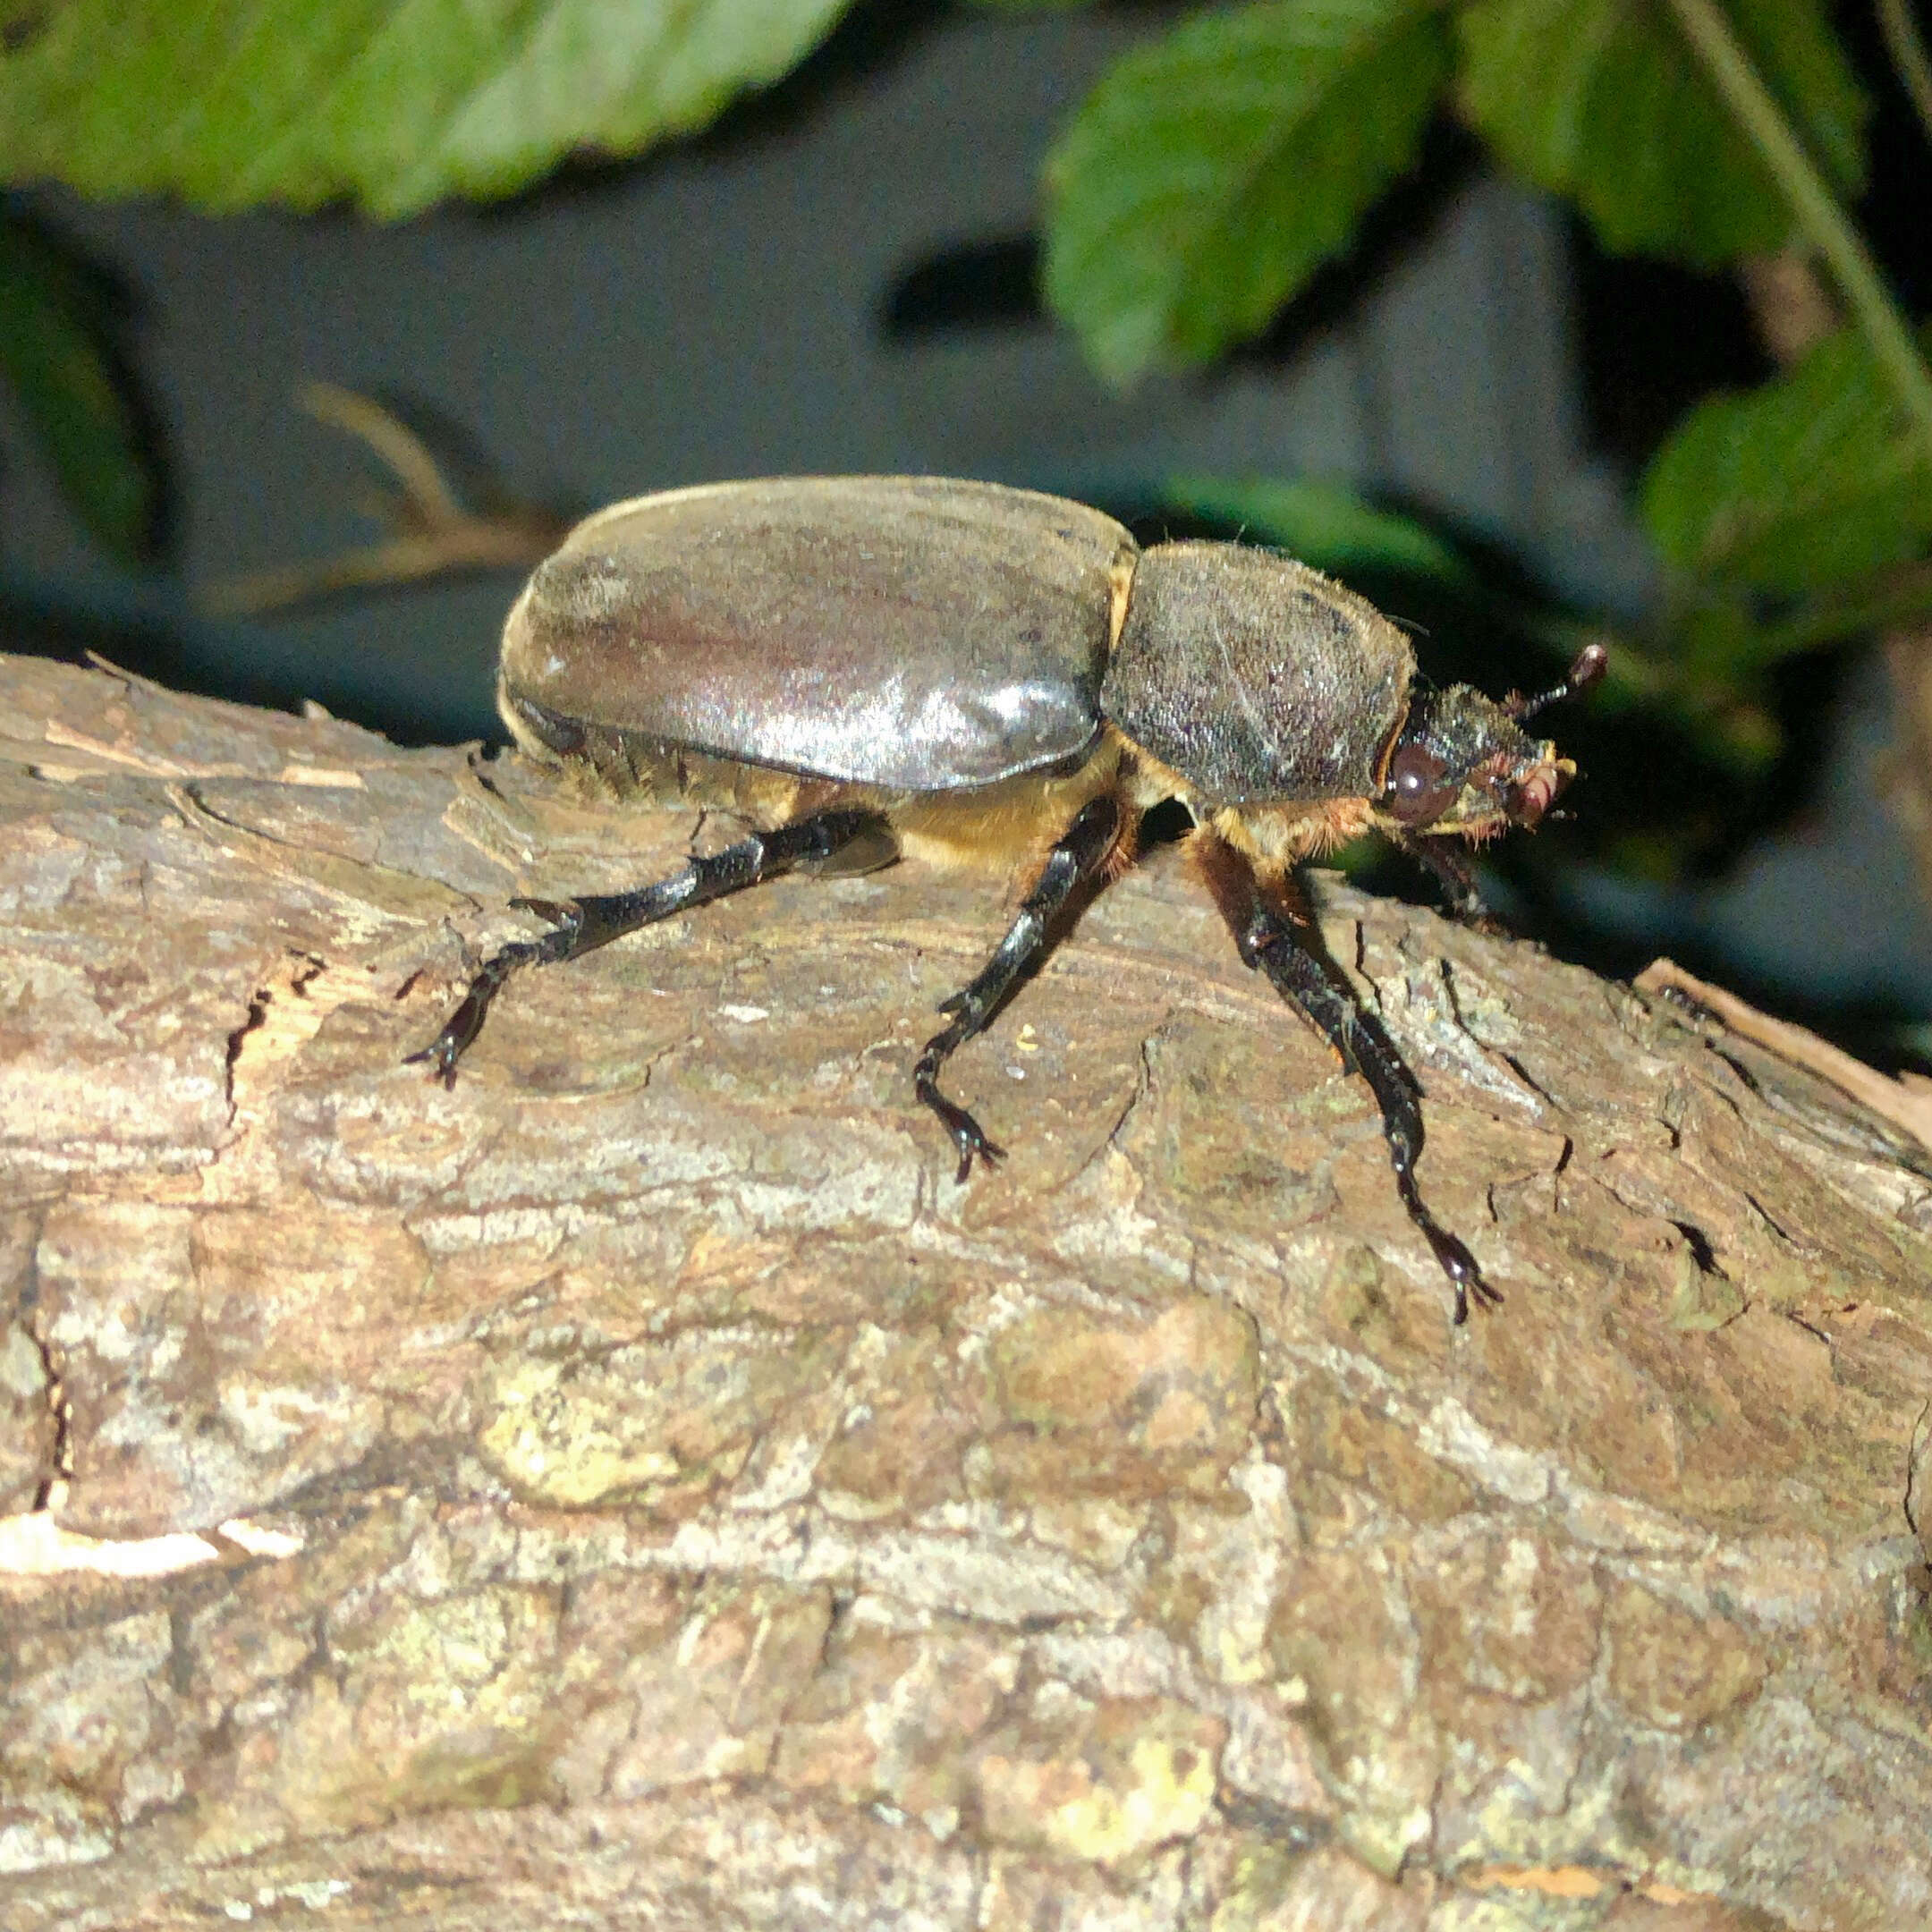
(1325, 524)
(1889, 600)
(1807, 482)
(1211, 173)
(396, 103)
(1715, 643)
(1603, 100)
(54, 352)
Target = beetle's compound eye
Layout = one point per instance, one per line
(1419, 790)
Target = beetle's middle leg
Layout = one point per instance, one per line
(1276, 933)
(1078, 857)
(581, 925)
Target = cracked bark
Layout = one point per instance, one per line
(639, 1485)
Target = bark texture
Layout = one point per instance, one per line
(639, 1486)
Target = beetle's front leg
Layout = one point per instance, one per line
(581, 925)
(1276, 933)
(1078, 857)
(1447, 858)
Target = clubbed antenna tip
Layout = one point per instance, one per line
(1591, 664)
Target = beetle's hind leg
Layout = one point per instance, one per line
(581, 925)
(1079, 857)
(1277, 934)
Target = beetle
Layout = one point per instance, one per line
(862, 666)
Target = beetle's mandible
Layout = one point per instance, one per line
(859, 665)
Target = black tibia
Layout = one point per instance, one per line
(1448, 859)
(1277, 934)
(1077, 857)
(581, 925)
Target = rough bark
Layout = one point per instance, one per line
(639, 1486)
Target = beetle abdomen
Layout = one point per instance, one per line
(914, 633)
(1256, 677)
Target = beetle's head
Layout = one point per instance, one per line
(1463, 765)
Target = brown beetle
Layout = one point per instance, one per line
(868, 665)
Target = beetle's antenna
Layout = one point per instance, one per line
(1591, 662)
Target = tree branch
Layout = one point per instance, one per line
(640, 1485)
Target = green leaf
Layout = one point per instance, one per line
(395, 103)
(1805, 483)
(1325, 524)
(1892, 600)
(53, 354)
(1603, 100)
(1211, 173)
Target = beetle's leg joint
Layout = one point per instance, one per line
(1448, 859)
(1275, 933)
(593, 919)
(462, 1026)
(1080, 855)
(558, 912)
(969, 1138)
